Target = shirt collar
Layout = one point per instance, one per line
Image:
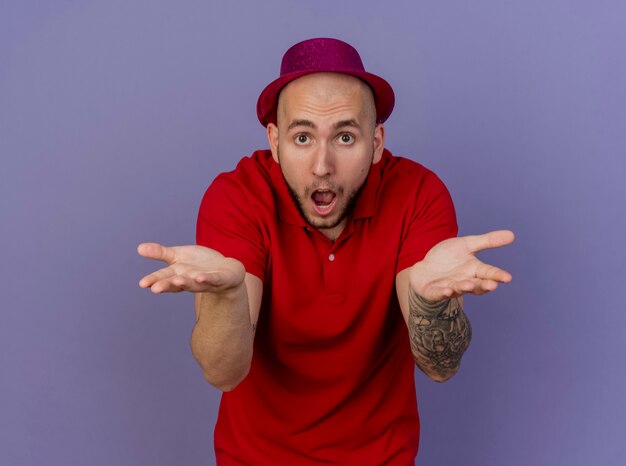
(365, 204)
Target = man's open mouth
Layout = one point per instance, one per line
(323, 197)
(323, 201)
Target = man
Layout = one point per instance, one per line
(325, 270)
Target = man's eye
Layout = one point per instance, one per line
(302, 139)
(346, 138)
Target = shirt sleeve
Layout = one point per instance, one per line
(226, 223)
(433, 220)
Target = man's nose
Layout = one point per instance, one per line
(323, 161)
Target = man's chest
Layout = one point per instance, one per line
(317, 290)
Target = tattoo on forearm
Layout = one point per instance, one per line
(440, 333)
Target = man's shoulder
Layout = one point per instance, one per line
(246, 190)
(401, 172)
(256, 167)
(252, 176)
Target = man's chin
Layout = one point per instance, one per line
(324, 223)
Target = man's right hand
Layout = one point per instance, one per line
(191, 268)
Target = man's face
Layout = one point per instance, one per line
(326, 141)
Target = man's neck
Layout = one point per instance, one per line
(334, 232)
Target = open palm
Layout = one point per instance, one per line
(451, 268)
(191, 268)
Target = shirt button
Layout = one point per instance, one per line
(331, 257)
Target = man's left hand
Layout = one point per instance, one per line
(451, 269)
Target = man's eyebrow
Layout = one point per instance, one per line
(343, 123)
(306, 123)
(340, 124)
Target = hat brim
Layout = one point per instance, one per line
(384, 97)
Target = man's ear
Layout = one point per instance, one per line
(272, 137)
(379, 142)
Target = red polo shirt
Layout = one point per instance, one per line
(331, 380)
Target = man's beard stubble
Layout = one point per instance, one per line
(349, 207)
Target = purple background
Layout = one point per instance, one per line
(116, 114)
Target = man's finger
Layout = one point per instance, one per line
(188, 284)
(473, 286)
(165, 286)
(493, 239)
(203, 282)
(463, 286)
(154, 277)
(156, 251)
(490, 272)
(485, 286)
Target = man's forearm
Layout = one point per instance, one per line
(222, 338)
(439, 333)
